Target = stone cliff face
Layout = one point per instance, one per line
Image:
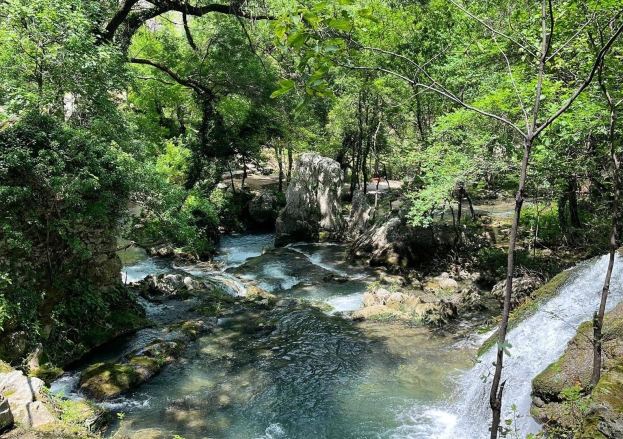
(312, 201)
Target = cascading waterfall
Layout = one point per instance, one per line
(536, 343)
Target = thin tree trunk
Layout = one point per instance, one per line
(460, 206)
(279, 155)
(471, 206)
(244, 172)
(290, 161)
(574, 214)
(497, 387)
(231, 177)
(598, 318)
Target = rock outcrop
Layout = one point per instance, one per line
(561, 394)
(380, 303)
(522, 288)
(359, 218)
(24, 395)
(312, 201)
(168, 286)
(395, 244)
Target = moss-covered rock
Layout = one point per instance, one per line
(561, 396)
(604, 419)
(103, 381)
(48, 373)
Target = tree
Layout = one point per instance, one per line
(607, 73)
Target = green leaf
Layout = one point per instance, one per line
(505, 347)
(286, 86)
(297, 39)
(319, 6)
(341, 24)
(346, 2)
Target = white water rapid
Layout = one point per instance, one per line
(536, 343)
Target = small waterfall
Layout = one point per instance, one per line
(536, 343)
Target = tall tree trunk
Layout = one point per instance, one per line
(574, 215)
(279, 156)
(290, 161)
(244, 172)
(497, 387)
(598, 318)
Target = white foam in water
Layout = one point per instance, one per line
(235, 250)
(426, 423)
(125, 404)
(316, 259)
(274, 431)
(536, 343)
(351, 302)
(67, 386)
(136, 272)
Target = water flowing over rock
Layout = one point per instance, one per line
(551, 397)
(312, 201)
(537, 341)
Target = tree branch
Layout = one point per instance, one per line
(189, 36)
(136, 19)
(587, 81)
(188, 82)
(492, 29)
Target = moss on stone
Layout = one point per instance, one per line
(47, 373)
(103, 381)
(5, 367)
(529, 307)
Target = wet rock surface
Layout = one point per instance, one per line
(169, 286)
(104, 381)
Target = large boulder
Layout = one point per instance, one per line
(312, 201)
(395, 244)
(522, 288)
(23, 396)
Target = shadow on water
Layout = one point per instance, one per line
(294, 372)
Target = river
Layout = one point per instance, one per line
(307, 372)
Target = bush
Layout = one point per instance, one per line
(547, 221)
